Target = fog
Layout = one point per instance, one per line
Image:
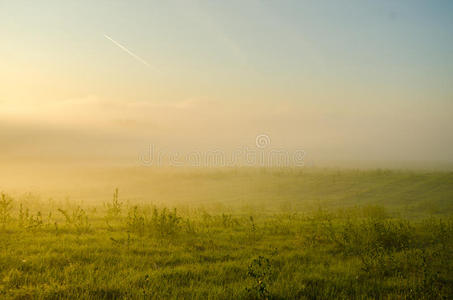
(93, 129)
(100, 84)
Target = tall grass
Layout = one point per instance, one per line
(156, 252)
(125, 250)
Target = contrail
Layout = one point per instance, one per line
(128, 51)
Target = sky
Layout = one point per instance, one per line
(342, 80)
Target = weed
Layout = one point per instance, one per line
(5, 209)
(114, 207)
(258, 270)
(165, 222)
(136, 221)
(78, 220)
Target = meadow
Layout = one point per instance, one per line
(239, 233)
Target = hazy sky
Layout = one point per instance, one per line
(343, 80)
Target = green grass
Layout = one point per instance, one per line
(235, 234)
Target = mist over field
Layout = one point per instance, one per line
(371, 84)
(226, 149)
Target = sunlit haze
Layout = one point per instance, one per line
(346, 81)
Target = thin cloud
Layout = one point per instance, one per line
(128, 51)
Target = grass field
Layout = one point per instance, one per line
(228, 234)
